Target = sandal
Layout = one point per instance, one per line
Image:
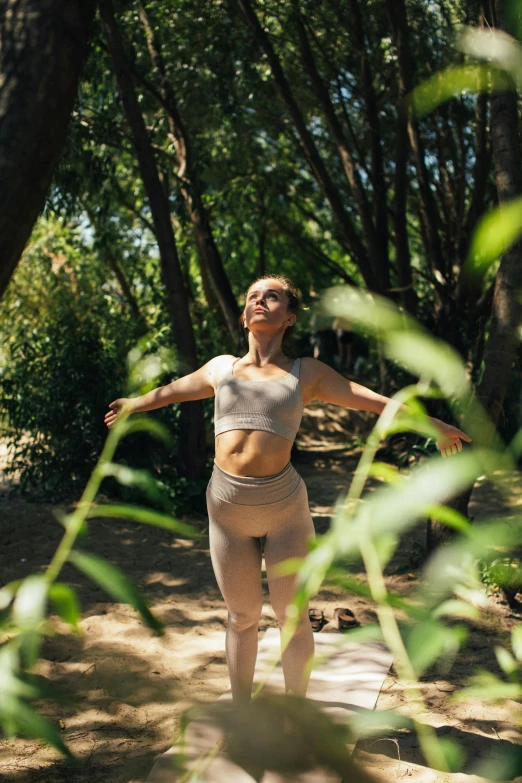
(317, 619)
(346, 619)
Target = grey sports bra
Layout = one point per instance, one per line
(273, 406)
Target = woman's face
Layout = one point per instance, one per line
(266, 307)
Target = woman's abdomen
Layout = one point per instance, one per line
(252, 452)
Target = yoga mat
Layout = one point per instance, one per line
(348, 681)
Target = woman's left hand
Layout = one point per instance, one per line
(450, 440)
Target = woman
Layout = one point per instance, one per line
(254, 490)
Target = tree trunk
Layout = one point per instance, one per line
(207, 247)
(192, 431)
(428, 208)
(501, 346)
(141, 324)
(42, 49)
(348, 232)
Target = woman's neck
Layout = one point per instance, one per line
(264, 349)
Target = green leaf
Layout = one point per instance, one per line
(32, 724)
(144, 516)
(66, 603)
(455, 608)
(131, 477)
(8, 592)
(429, 358)
(30, 602)
(425, 643)
(143, 424)
(453, 753)
(371, 722)
(494, 235)
(454, 81)
(516, 642)
(487, 687)
(505, 660)
(387, 472)
(366, 311)
(498, 47)
(114, 581)
(392, 509)
(450, 517)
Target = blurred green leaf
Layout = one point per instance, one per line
(145, 516)
(516, 642)
(370, 722)
(455, 608)
(505, 660)
(389, 473)
(115, 583)
(496, 46)
(488, 687)
(454, 754)
(66, 603)
(454, 81)
(495, 233)
(450, 517)
(137, 423)
(30, 602)
(32, 724)
(132, 477)
(8, 592)
(425, 643)
(394, 509)
(385, 547)
(507, 766)
(371, 313)
(429, 358)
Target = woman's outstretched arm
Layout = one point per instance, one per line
(328, 385)
(197, 385)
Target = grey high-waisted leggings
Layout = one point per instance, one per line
(241, 510)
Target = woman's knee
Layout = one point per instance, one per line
(282, 613)
(243, 620)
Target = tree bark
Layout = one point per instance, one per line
(206, 244)
(192, 431)
(42, 49)
(501, 345)
(400, 204)
(428, 208)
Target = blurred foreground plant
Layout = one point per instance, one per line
(25, 604)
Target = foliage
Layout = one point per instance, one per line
(66, 331)
(25, 604)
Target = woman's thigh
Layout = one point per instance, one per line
(236, 556)
(290, 532)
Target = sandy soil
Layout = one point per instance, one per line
(132, 687)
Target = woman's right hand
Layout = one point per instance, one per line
(120, 408)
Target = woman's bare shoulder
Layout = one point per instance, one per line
(218, 366)
(313, 368)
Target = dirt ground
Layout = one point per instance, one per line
(132, 687)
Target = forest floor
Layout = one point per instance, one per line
(133, 687)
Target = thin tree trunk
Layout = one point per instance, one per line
(350, 237)
(43, 44)
(192, 435)
(207, 247)
(379, 186)
(350, 168)
(141, 324)
(427, 204)
(402, 148)
(501, 345)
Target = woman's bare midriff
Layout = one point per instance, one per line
(252, 452)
